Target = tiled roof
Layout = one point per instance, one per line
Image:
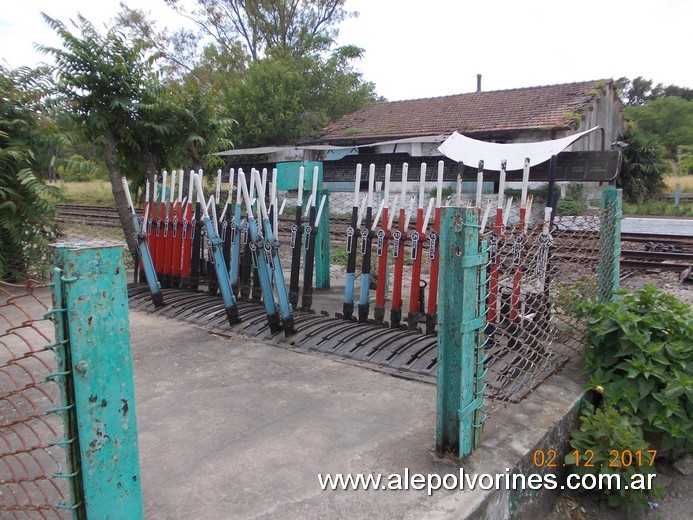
(542, 108)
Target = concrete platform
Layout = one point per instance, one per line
(235, 429)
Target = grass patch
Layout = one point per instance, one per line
(686, 182)
(658, 208)
(89, 193)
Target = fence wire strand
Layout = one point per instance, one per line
(29, 426)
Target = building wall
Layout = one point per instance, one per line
(606, 113)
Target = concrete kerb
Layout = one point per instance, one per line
(237, 428)
(542, 421)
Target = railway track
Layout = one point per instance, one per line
(638, 250)
(97, 216)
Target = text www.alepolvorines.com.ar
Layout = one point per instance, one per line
(431, 482)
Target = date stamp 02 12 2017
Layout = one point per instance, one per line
(617, 458)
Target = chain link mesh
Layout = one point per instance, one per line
(542, 273)
(342, 202)
(29, 424)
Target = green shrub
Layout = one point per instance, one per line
(28, 216)
(606, 443)
(570, 206)
(640, 349)
(578, 191)
(539, 193)
(445, 192)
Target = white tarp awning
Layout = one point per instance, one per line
(470, 151)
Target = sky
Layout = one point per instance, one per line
(417, 49)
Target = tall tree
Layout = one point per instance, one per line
(284, 100)
(669, 118)
(639, 90)
(269, 27)
(107, 86)
(195, 112)
(191, 100)
(682, 92)
(644, 167)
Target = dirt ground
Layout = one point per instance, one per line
(675, 504)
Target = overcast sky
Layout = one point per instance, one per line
(416, 49)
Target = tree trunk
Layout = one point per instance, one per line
(151, 167)
(121, 201)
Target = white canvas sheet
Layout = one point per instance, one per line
(470, 151)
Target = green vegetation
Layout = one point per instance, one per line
(639, 357)
(640, 351)
(662, 208)
(131, 99)
(603, 438)
(665, 207)
(660, 128)
(445, 192)
(339, 256)
(644, 166)
(92, 193)
(569, 206)
(79, 169)
(669, 118)
(684, 163)
(539, 193)
(573, 118)
(639, 91)
(575, 203)
(27, 204)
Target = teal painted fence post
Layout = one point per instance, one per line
(460, 320)
(94, 295)
(287, 179)
(322, 244)
(610, 243)
(322, 239)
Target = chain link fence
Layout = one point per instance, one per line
(509, 306)
(543, 272)
(32, 462)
